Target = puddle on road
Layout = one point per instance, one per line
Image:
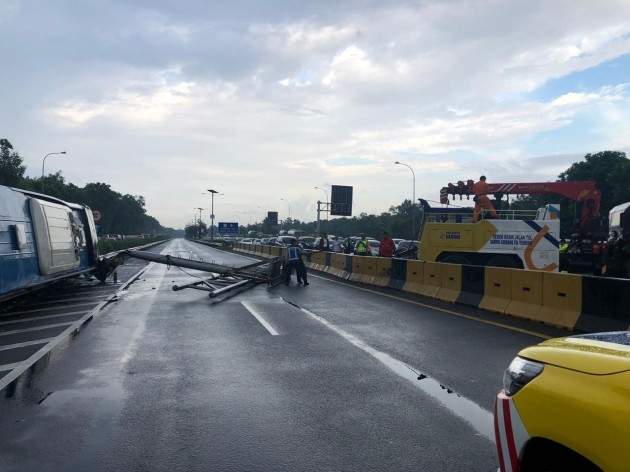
(479, 418)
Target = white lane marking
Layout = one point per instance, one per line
(6, 367)
(25, 344)
(37, 328)
(260, 318)
(479, 418)
(37, 318)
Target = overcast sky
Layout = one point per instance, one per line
(264, 100)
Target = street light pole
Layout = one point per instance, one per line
(44, 162)
(238, 224)
(250, 220)
(318, 210)
(264, 221)
(413, 201)
(212, 192)
(200, 220)
(287, 202)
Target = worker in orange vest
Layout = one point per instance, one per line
(481, 199)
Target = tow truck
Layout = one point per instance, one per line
(517, 240)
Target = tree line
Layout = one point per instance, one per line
(126, 214)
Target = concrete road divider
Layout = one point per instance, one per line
(561, 299)
(318, 261)
(415, 277)
(497, 289)
(398, 275)
(383, 271)
(526, 295)
(432, 280)
(357, 268)
(451, 283)
(338, 264)
(369, 269)
(473, 282)
(605, 305)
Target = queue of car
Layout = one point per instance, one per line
(405, 249)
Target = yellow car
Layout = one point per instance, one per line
(565, 406)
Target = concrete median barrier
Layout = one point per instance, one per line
(605, 305)
(526, 295)
(328, 262)
(451, 283)
(432, 280)
(318, 261)
(369, 270)
(338, 264)
(497, 289)
(383, 271)
(473, 283)
(398, 275)
(561, 299)
(357, 268)
(415, 277)
(349, 266)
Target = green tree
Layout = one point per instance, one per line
(402, 218)
(610, 170)
(11, 168)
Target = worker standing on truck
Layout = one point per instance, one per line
(481, 199)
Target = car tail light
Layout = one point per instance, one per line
(520, 373)
(596, 249)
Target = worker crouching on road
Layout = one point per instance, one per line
(481, 199)
(294, 261)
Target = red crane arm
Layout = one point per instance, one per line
(582, 191)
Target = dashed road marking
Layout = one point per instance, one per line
(260, 319)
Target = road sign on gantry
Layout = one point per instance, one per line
(341, 200)
(228, 228)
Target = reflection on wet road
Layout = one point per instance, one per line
(479, 418)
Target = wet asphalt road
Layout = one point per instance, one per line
(317, 378)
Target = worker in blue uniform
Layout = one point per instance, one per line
(294, 261)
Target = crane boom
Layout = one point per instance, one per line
(583, 192)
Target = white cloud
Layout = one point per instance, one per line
(259, 104)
